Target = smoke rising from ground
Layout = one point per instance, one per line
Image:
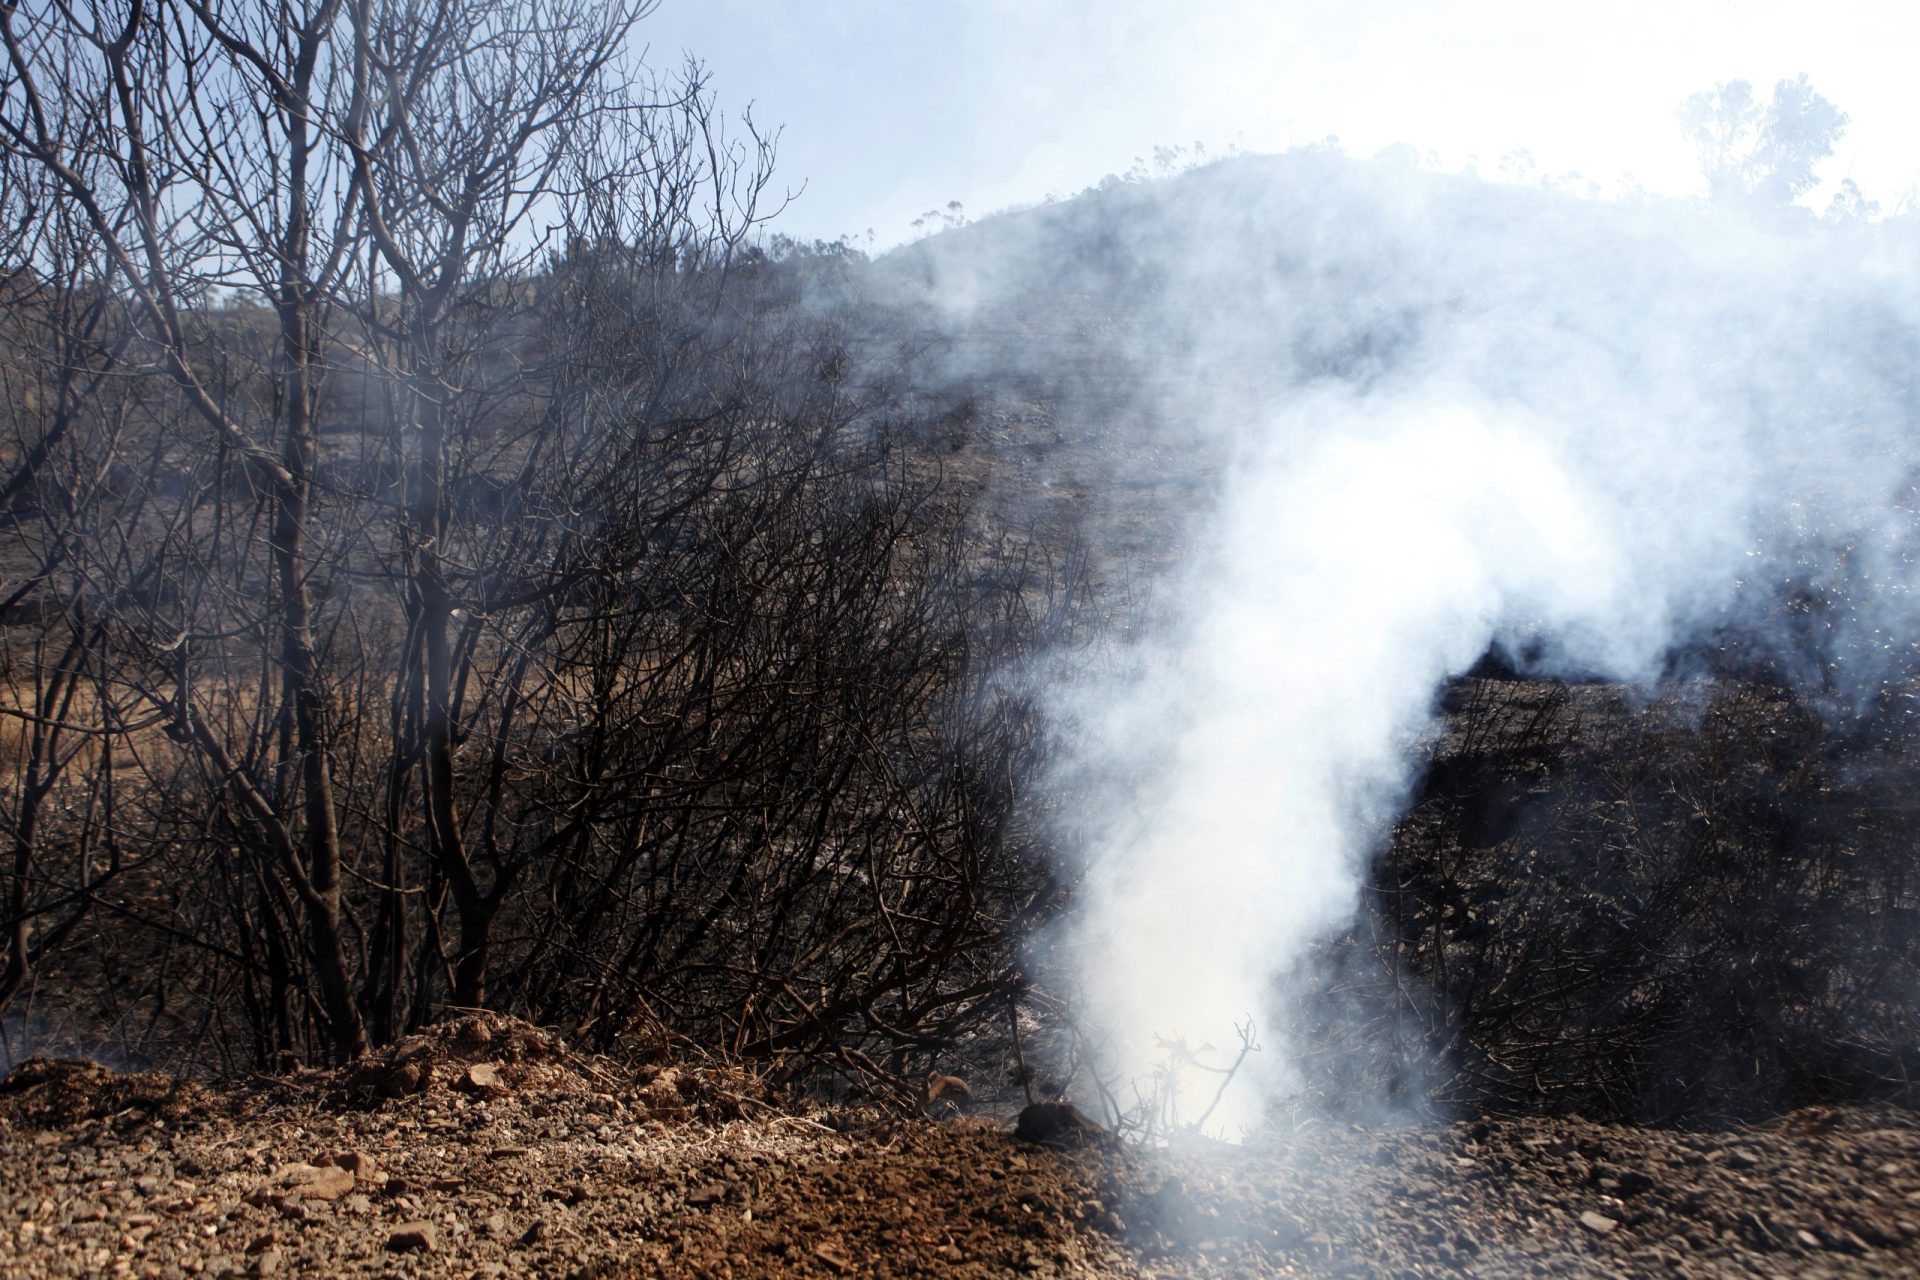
(1600, 436)
(1357, 573)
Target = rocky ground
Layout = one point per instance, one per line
(485, 1148)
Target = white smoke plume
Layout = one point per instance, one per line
(1456, 415)
(1378, 555)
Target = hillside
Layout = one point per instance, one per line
(1646, 778)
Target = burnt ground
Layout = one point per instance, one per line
(485, 1148)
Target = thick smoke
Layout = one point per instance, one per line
(1453, 415)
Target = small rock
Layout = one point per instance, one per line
(483, 1078)
(661, 1095)
(1878, 1237)
(536, 1232)
(1598, 1223)
(475, 1031)
(362, 1166)
(1741, 1158)
(1631, 1182)
(302, 1181)
(707, 1193)
(268, 1262)
(413, 1237)
(324, 1182)
(1807, 1238)
(408, 1077)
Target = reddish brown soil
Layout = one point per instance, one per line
(550, 1164)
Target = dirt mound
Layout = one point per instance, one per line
(43, 1093)
(487, 1054)
(492, 1056)
(712, 1095)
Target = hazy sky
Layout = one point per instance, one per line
(893, 107)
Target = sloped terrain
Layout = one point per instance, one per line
(503, 1153)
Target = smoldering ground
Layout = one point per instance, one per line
(1447, 415)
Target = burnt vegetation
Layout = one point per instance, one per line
(448, 566)
(1676, 906)
(449, 559)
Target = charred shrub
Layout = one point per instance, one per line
(1685, 909)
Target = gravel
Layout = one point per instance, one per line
(560, 1165)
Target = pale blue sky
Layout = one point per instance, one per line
(892, 107)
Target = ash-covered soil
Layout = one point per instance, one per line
(485, 1148)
